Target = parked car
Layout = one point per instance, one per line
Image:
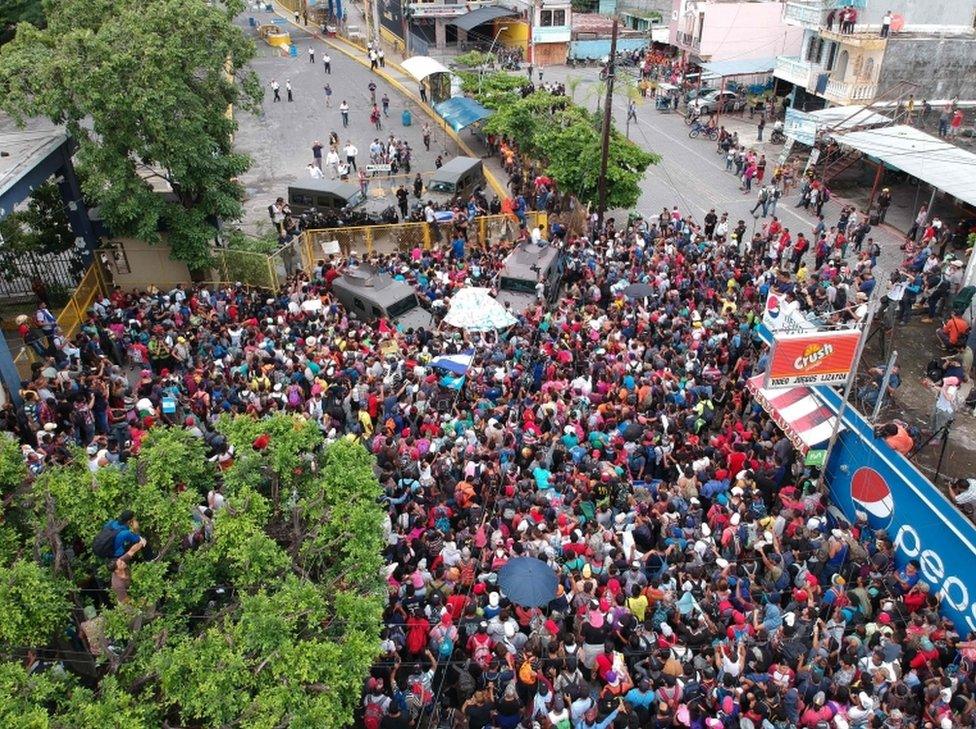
(723, 101)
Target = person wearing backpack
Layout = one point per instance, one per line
(117, 536)
(375, 704)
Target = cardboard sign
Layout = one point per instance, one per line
(819, 358)
(378, 168)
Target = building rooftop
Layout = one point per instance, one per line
(22, 148)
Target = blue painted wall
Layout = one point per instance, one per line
(600, 48)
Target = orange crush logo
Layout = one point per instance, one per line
(812, 356)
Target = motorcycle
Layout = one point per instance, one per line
(777, 137)
(697, 128)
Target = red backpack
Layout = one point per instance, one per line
(373, 715)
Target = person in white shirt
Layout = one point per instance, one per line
(314, 172)
(332, 163)
(351, 153)
(963, 491)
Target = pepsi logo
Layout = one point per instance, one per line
(772, 306)
(870, 493)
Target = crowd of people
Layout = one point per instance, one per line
(701, 582)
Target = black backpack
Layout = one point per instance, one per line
(104, 542)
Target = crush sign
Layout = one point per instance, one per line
(818, 358)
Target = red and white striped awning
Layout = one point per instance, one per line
(805, 420)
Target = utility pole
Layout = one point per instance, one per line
(607, 122)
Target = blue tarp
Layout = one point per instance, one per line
(460, 112)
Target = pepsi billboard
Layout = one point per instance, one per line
(864, 474)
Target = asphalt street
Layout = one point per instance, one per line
(279, 139)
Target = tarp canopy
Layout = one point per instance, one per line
(482, 15)
(933, 161)
(420, 67)
(460, 112)
(740, 66)
(843, 118)
(474, 309)
(805, 420)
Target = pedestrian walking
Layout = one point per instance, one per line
(631, 110)
(373, 60)
(327, 63)
(317, 153)
(382, 58)
(386, 105)
(884, 202)
(276, 89)
(372, 93)
(344, 111)
(423, 92)
(328, 96)
(762, 201)
(351, 153)
(288, 89)
(418, 186)
(762, 125)
(426, 136)
(311, 54)
(375, 117)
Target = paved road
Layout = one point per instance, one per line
(280, 138)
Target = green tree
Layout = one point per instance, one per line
(274, 621)
(18, 11)
(567, 140)
(145, 89)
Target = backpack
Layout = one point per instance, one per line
(104, 543)
(466, 685)
(373, 715)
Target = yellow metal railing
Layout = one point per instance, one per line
(368, 239)
(71, 317)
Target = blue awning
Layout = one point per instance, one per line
(460, 112)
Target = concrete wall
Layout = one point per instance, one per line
(922, 14)
(746, 30)
(149, 264)
(943, 67)
(661, 6)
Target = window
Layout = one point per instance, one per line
(815, 50)
(831, 56)
(550, 18)
(358, 303)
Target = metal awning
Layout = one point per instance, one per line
(420, 67)
(799, 413)
(460, 112)
(930, 159)
(475, 18)
(740, 67)
(843, 118)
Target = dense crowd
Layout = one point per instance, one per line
(701, 582)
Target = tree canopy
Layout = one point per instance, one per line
(564, 137)
(270, 619)
(145, 89)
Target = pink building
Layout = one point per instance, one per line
(717, 30)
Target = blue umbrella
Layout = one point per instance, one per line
(528, 581)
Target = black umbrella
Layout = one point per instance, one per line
(638, 291)
(528, 581)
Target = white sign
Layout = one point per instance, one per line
(378, 168)
(781, 315)
(801, 126)
(814, 158)
(330, 247)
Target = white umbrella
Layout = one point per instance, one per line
(474, 309)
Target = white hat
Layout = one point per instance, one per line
(813, 524)
(493, 599)
(509, 628)
(722, 562)
(666, 630)
(735, 519)
(706, 530)
(737, 491)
